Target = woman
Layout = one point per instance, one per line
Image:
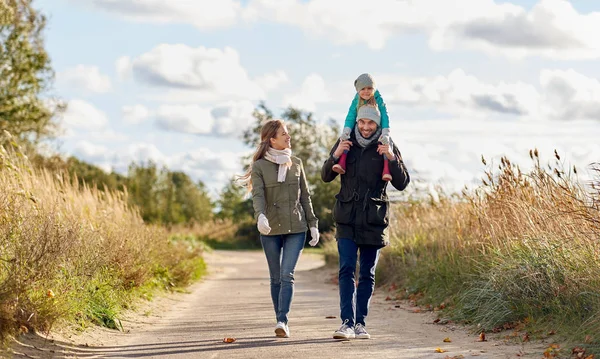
(283, 208)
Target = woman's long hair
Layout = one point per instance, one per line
(268, 131)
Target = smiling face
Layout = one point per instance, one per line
(282, 139)
(366, 93)
(366, 127)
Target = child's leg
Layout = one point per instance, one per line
(386, 176)
(340, 167)
(385, 139)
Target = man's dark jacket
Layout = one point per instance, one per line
(361, 210)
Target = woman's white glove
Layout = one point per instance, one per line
(263, 224)
(314, 233)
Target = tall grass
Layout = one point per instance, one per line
(71, 253)
(521, 248)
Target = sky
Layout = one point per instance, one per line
(176, 81)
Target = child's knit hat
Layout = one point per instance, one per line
(364, 80)
(369, 112)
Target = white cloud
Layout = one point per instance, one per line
(123, 67)
(203, 14)
(207, 74)
(271, 81)
(459, 92)
(83, 115)
(448, 151)
(552, 28)
(569, 95)
(90, 152)
(224, 119)
(191, 119)
(135, 114)
(85, 77)
(313, 91)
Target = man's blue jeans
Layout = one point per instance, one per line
(354, 301)
(282, 252)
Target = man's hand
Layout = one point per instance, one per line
(342, 146)
(263, 224)
(387, 150)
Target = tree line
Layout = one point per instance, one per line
(31, 113)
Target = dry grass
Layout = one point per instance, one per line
(522, 248)
(75, 253)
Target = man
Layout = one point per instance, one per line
(361, 215)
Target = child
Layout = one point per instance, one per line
(366, 94)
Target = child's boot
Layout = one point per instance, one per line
(340, 167)
(386, 170)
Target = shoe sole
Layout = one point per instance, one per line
(342, 336)
(338, 169)
(280, 333)
(363, 336)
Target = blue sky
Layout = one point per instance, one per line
(176, 81)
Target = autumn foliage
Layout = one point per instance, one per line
(522, 247)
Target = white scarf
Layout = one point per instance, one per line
(281, 157)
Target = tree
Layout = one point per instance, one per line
(234, 204)
(25, 73)
(191, 198)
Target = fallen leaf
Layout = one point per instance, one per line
(588, 339)
(50, 293)
(417, 310)
(330, 317)
(436, 320)
(388, 298)
(482, 337)
(228, 340)
(447, 340)
(552, 332)
(526, 337)
(578, 350)
(440, 350)
(591, 356)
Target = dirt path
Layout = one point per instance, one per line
(234, 301)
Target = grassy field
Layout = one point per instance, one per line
(74, 254)
(519, 254)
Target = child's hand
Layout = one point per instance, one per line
(342, 146)
(387, 151)
(384, 139)
(345, 134)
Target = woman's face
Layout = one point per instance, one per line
(282, 140)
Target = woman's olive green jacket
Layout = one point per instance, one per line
(287, 204)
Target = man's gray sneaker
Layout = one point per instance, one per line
(361, 332)
(345, 332)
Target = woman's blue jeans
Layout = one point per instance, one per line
(282, 252)
(354, 300)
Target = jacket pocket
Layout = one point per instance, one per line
(350, 166)
(378, 212)
(343, 211)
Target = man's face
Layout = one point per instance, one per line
(366, 127)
